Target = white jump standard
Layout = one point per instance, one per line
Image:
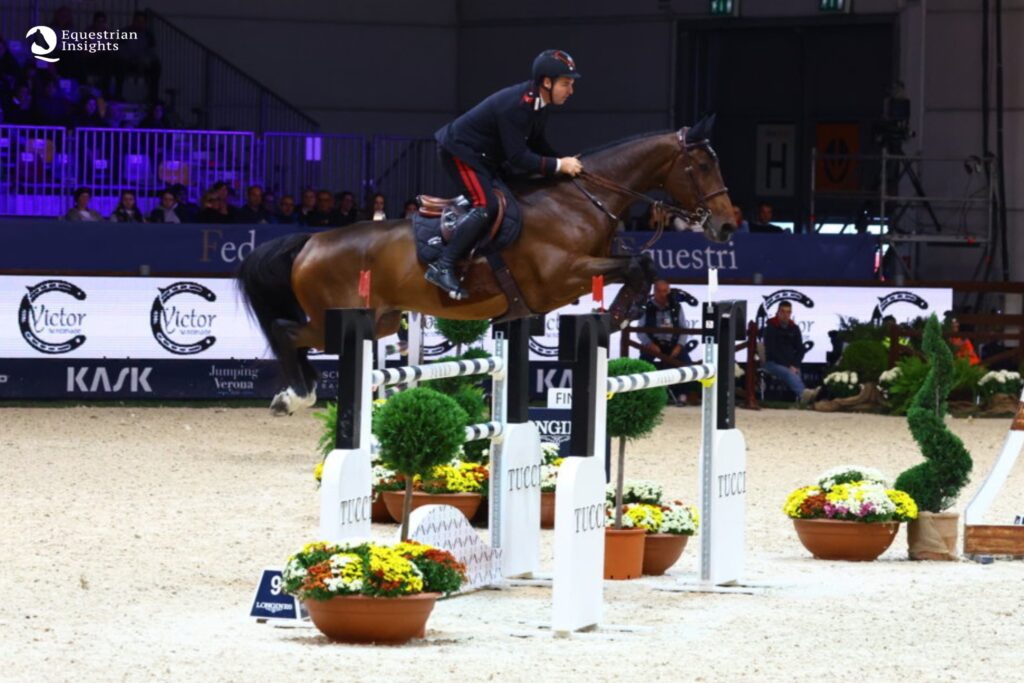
(346, 485)
(580, 499)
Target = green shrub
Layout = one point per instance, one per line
(935, 484)
(866, 357)
(462, 332)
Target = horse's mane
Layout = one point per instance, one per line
(520, 185)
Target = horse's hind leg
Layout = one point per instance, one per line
(299, 392)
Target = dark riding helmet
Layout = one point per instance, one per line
(554, 63)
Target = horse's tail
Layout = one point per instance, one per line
(265, 278)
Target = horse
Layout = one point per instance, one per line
(568, 228)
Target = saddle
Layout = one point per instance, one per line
(434, 225)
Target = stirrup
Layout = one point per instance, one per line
(436, 276)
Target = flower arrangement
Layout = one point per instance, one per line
(550, 451)
(676, 518)
(887, 379)
(637, 491)
(458, 477)
(1000, 382)
(321, 571)
(549, 475)
(842, 384)
(851, 493)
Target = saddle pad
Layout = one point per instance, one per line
(429, 244)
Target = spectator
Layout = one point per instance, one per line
(212, 210)
(741, 223)
(348, 212)
(764, 219)
(138, 57)
(186, 210)
(127, 211)
(784, 352)
(324, 216)
(20, 110)
(376, 210)
(168, 210)
(308, 206)
(270, 204)
(253, 211)
(286, 212)
(90, 115)
(100, 67)
(81, 211)
(10, 71)
(50, 108)
(410, 209)
(663, 309)
(224, 205)
(156, 117)
(962, 346)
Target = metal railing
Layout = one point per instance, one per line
(291, 162)
(403, 167)
(110, 161)
(35, 170)
(213, 93)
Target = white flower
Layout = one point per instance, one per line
(889, 375)
(679, 519)
(828, 479)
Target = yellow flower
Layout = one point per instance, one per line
(797, 498)
(645, 516)
(412, 548)
(318, 471)
(389, 567)
(906, 507)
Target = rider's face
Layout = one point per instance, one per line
(561, 90)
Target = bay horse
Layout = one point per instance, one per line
(568, 227)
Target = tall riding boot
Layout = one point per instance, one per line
(468, 231)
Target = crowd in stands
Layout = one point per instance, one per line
(83, 89)
(315, 208)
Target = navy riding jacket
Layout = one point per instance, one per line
(505, 130)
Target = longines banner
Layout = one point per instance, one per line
(57, 246)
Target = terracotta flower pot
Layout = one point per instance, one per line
(547, 510)
(933, 536)
(623, 553)
(831, 539)
(379, 511)
(661, 551)
(467, 503)
(363, 619)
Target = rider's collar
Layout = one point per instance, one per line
(538, 102)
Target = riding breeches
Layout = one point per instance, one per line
(475, 179)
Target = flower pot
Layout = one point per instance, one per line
(933, 536)
(623, 553)
(661, 551)
(379, 511)
(547, 510)
(467, 503)
(363, 619)
(482, 518)
(831, 539)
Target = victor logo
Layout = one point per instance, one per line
(183, 331)
(40, 322)
(93, 380)
(902, 297)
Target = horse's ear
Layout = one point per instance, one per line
(701, 130)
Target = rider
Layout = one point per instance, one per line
(506, 129)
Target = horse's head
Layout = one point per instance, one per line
(695, 180)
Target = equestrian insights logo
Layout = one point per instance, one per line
(46, 41)
(183, 331)
(46, 328)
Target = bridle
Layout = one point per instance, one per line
(698, 216)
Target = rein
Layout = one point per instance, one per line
(698, 216)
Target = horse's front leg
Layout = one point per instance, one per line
(636, 273)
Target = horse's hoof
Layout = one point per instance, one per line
(280, 407)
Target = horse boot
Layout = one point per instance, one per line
(468, 231)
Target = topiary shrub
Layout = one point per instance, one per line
(631, 416)
(867, 358)
(418, 430)
(471, 399)
(462, 332)
(935, 483)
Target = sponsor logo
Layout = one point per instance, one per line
(40, 324)
(183, 331)
(234, 380)
(45, 41)
(895, 298)
(554, 431)
(95, 380)
(794, 296)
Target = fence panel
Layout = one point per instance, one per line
(405, 167)
(35, 171)
(292, 162)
